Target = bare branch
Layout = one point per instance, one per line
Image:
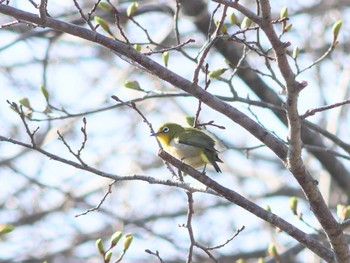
(312, 112)
(96, 208)
(239, 200)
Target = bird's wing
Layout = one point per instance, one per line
(198, 139)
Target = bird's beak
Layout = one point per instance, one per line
(156, 133)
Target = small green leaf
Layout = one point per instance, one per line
(103, 23)
(223, 28)
(246, 23)
(108, 256)
(137, 47)
(165, 58)
(99, 246)
(216, 73)
(45, 92)
(6, 228)
(287, 28)
(293, 204)
(343, 212)
(25, 102)
(295, 52)
(132, 84)
(190, 120)
(132, 8)
(340, 211)
(347, 212)
(284, 12)
(234, 19)
(272, 250)
(127, 241)
(267, 208)
(336, 29)
(106, 7)
(115, 238)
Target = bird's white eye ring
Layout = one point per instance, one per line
(165, 129)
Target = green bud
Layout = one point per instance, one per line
(246, 23)
(293, 204)
(44, 92)
(108, 256)
(127, 241)
(336, 29)
(25, 102)
(6, 228)
(115, 238)
(261, 260)
(28, 114)
(216, 73)
(233, 19)
(347, 212)
(132, 84)
(103, 23)
(295, 52)
(99, 246)
(267, 208)
(165, 58)
(287, 28)
(106, 7)
(137, 47)
(284, 12)
(190, 120)
(340, 211)
(132, 8)
(272, 251)
(223, 28)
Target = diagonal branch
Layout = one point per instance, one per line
(239, 200)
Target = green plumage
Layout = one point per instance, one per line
(191, 145)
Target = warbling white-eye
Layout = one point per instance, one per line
(190, 145)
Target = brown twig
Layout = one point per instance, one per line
(154, 254)
(133, 106)
(177, 47)
(228, 240)
(87, 20)
(78, 154)
(312, 112)
(100, 203)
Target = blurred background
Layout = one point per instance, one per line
(45, 200)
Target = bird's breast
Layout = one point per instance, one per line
(190, 155)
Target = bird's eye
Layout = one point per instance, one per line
(165, 129)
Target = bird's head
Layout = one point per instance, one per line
(168, 131)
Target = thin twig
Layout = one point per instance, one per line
(199, 108)
(87, 20)
(9, 24)
(312, 112)
(118, 22)
(228, 240)
(78, 154)
(149, 179)
(177, 47)
(133, 106)
(154, 254)
(190, 213)
(212, 40)
(101, 202)
(22, 115)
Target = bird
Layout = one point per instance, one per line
(190, 145)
